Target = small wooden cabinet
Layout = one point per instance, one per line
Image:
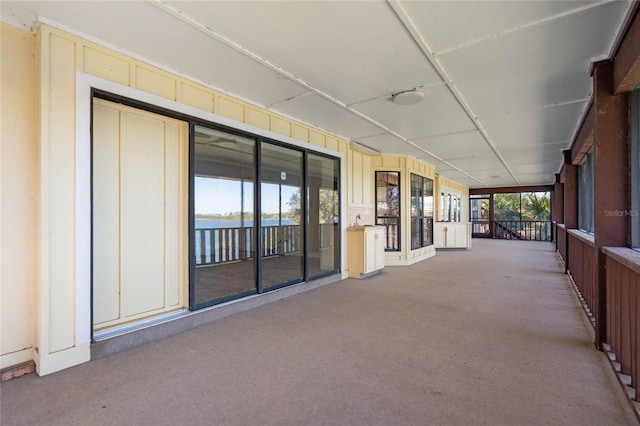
(452, 234)
(366, 250)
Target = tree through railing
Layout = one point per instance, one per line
(533, 230)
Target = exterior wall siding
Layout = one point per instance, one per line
(45, 323)
(18, 197)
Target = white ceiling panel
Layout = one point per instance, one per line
(551, 153)
(534, 127)
(183, 48)
(526, 169)
(391, 145)
(546, 64)
(353, 51)
(450, 24)
(457, 145)
(510, 76)
(439, 113)
(321, 113)
(537, 179)
(473, 164)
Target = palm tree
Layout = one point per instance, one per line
(536, 206)
(506, 207)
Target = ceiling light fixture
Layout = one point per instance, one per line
(410, 97)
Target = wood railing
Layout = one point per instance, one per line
(280, 240)
(581, 266)
(561, 240)
(534, 230)
(222, 245)
(623, 309)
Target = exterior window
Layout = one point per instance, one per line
(585, 193)
(264, 216)
(388, 207)
(421, 212)
(635, 169)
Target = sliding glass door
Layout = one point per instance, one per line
(224, 242)
(263, 216)
(281, 224)
(323, 216)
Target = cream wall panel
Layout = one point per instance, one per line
(155, 82)
(332, 143)
(61, 55)
(357, 178)
(106, 66)
(141, 218)
(58, 153)
(106, 213)
(258, 118)
(316, 137)
(299, 132)
(174, 221)
(142, 215)
(367, 181)
(18, 196)
(230, 108)
(196, 97)
(280, 125)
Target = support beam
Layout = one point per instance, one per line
(626, 67)
(611, 180)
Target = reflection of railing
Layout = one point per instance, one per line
(536, 230)
(391, 232)
(326, 235)
(480, 228)
(222, 245)
(280, 240)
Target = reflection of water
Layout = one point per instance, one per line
(236, 223)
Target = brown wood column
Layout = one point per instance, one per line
(611, 180)
(557, 206)
(570, 196)
(570, 193)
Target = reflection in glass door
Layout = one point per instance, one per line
(281, 230)
(480, 218)
(223, 239)
(323, 215)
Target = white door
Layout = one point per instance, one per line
(140, 261)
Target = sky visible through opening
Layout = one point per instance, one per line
(219, 196)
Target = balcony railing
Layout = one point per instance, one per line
(222, 245)
(534, 230)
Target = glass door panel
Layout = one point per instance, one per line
(281, 224)
(323, 215)
(223, 242)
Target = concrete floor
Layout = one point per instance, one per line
(493, 335)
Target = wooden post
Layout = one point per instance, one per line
(611, 181)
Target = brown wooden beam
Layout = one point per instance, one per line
(626, 61)
(611, 181)
(570, 196)
(584, 138)
(510, 189)
(557, 204)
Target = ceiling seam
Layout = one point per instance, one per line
(429, 55)
(537, 108)
(263, 61)
(540, 22)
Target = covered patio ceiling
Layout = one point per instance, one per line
(505, 83)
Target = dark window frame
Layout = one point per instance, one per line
(260, 139)
(419, 191)
(586, 193)
(387, 219)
